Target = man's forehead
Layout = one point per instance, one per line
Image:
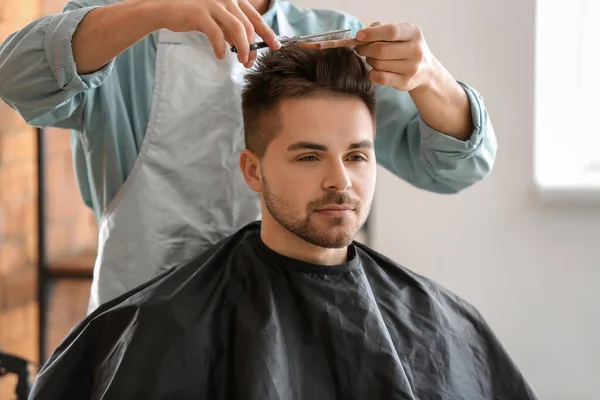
(334, 122)
(324, 140)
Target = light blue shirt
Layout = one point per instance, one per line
(107, 111)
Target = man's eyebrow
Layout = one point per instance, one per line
(365, 144)
(307, 145)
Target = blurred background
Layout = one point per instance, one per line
(523, 245)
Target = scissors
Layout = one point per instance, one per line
(296, 39)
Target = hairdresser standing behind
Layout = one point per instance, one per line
(151, 93)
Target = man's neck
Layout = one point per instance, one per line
(262, 6)
(282, 241)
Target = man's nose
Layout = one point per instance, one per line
(337, 178)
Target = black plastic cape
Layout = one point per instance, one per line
(243, 322)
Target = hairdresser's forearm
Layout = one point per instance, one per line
(106, 32)
(444, 105)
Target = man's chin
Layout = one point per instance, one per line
(332, 237)
(325, 221)
(337, 242)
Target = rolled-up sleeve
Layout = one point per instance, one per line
(38, 74)
(59, 53)
(456, 163)
(425, 157)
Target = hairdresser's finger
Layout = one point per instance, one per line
(260, 26)
(235, 10)
(402, 67)
(215, 35)
(397, 81)
(235, 31)
(389, 33)
(391, 51)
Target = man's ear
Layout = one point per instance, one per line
(250, 166)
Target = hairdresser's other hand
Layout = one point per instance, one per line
(231, 21)
(398, 54)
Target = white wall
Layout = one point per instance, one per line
(532, 269)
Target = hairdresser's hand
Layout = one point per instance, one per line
(231, 21)
(399, 55)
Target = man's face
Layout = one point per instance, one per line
(318, 173)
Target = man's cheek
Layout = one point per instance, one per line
(365, 184)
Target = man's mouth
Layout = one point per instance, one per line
(336, 210)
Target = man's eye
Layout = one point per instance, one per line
(357, 158)
(308, 158)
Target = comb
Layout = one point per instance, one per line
(295, 39)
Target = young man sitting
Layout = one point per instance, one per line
(291, 307)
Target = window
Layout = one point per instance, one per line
(567, 99)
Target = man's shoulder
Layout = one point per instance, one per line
(314, 20)
(420, 286)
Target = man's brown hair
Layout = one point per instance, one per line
(294, 72)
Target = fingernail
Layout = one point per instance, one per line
(277, 42)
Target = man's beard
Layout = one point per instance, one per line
(330, 238)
